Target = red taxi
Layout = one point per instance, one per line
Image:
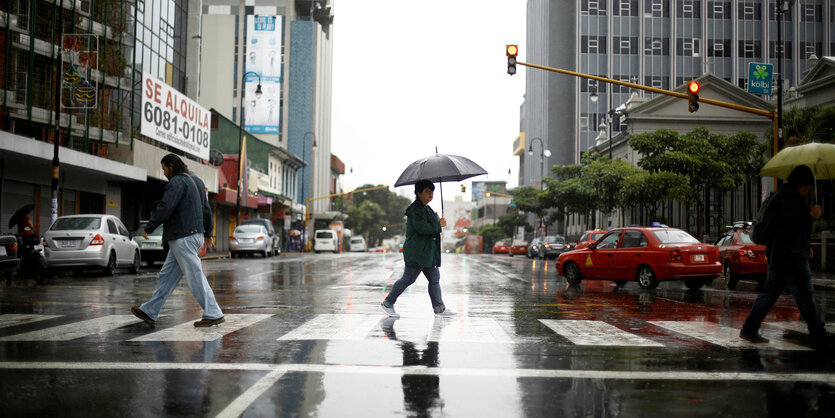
(647, 255)
(589, 237)
(740, 257)
(501, 247)
(518, 247)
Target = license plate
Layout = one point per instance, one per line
(149, 245)
(245, 240)
(3, 251)
(698, 257)
(67, 244)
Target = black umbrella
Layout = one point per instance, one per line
(20, 214)
(440, 168)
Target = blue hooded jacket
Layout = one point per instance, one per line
(184, 210)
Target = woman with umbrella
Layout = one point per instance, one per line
(421, 251)
(24, 223)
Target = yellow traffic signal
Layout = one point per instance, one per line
(693, 88)
(511, 51)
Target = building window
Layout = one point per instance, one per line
(690, 9)
(593, 7)
(719, 48)
(809, 48)
(656, 46)
(584, 122)
(656, 8)
(749, 10)
(625, 45)
(689, 47)
(774, 48)
(588, 85)
(626, 8)
(811, 13)
(658, 82)
(593, 44)
(750, 49)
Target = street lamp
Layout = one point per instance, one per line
(542, 155)
(241, 127)
(303, 189)
(783, 6)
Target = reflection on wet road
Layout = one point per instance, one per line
(304, 336)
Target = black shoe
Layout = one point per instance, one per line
(139, 313)
(756, 338)
(206, 322)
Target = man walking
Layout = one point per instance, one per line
(788, 259)
(184, 211)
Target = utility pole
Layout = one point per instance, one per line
(56, 163)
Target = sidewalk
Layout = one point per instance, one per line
(822, 280)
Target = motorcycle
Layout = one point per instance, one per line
(30, 251)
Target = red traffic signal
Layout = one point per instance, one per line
(511, 50)
(693, 88)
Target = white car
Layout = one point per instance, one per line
(94, 240)
(250, 239)
(325, 240)
(358, 244)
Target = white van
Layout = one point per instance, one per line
(358, 244)
(325, 240)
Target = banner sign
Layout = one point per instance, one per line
(264, 40)
(80, 55)
(759, 78)
(172, 118)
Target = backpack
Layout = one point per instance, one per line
(765, 227)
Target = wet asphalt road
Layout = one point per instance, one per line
(304, 337)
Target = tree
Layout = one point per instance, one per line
(650, 189)
(365, 218)
(530, 200)
(388, 210)
(695, 154)
(606, 178)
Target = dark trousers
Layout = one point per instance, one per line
(795, 275)
(410, 274)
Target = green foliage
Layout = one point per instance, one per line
(529, 199)
(650, 189)
(801, 126)
(606, 180)
(372, 210)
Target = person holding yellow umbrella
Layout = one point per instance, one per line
(788, 257)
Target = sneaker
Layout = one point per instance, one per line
(389, 310)
(446, 313)
(756, 338)
(139, 313)
(206, 322)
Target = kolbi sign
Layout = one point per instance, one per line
(172, 118)
(759, 78)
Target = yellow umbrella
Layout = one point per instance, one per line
(819, 157)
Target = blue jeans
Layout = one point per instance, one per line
(795, 275)
(182, 261)
(410, 274)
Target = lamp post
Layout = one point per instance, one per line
(241, 128)
(544, 153)
(610, 118)
(783, 6)
(303, 189)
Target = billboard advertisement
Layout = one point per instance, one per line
(172, 118)
(263, 57)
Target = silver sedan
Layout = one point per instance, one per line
(250, 239)
(94, 240)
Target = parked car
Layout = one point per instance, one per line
(518, 247)
(589, 237)
(357, 244)
(501, 247)
(325, 240)
(534, 247)
(250, 239)
(151, 249)
(646, 255)
(276, 240)
(740, 257)
(9, 262)
(78, 241)
(552, 246)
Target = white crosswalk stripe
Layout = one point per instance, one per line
(76, 329)
(10, 320)
(334, 327)
(468, 329)
(598, 333)
(796, 326)
(188, 332)
(723, 335)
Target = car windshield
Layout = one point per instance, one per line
(557, 239)
(157, 232)
(74, 224)
(324, 235)
(596, 236)
(674, 236)
(356, 240)
(248, 229)
(745, 237)
(501, 243)
(518, 242)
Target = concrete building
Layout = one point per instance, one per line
(659, 43)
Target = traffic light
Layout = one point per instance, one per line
(463, 189)
(511, 51)
(693, 88)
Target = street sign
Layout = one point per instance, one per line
(759, 78)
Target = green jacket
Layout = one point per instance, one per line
(423, 236)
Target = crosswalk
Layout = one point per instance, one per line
(356, 327)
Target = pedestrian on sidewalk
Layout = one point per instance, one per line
(788, 259)
(421, 251)
(187, 216)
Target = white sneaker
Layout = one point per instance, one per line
(389, 311)
(446, 313)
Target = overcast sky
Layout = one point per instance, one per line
(412, 75)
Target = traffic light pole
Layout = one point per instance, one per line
(771, 114)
